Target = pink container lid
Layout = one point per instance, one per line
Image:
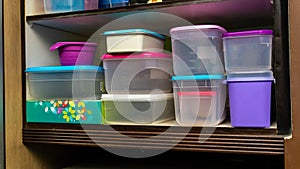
(197, 27)
(197, 93)
(136, 55)
(76, 45)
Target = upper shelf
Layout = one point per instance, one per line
(231, 14)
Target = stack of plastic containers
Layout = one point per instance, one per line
(69, 93)
(249, 76)
(198, 87)
(137, 78)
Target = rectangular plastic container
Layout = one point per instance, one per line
(138, 73)
(197, 49)
(133, 40)
(51, 6)
(112, 3)
(64, 111)
(248, 50)
(199, 100)
(65, 82)
(250, 98)
(138, 109)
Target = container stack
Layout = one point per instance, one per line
(137, 78)
(69, 92)
(199, 92)
(249, 76)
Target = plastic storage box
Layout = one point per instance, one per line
(199, 100)
(133, 40)
(138, 109)
(75, 53)
(248, 50)
(197, 49)
(112, 3)
(64, 111)
(138, 73)
(65, 82)
(51, 6)
(250, 98)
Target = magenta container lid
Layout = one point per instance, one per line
(248, 33)
(75, 44)
(136, 55)
(197, 27)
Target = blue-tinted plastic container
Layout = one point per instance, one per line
(52, 6)
(112, 3)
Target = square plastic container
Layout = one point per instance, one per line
(137, 109)
(248, 50)
(250, 98)
(133, 40)
(199, 100)
(65, 82)
(197, 49)
(112, 3)
(138, 73)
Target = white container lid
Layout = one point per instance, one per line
(197, 28)
(137, 97)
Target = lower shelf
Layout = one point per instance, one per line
(142, 137)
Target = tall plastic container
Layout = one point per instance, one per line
(250, 98)
(197, 49)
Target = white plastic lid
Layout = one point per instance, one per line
(137, 97)
(250, 76)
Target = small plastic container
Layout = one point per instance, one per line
(112, 3)
(134, 40)
(65, 82)
(250, 98)
(53, 6)
(138, 109)
(248, 50)
(197, 49)
(138, 73)
(199, 100)
(75, 53)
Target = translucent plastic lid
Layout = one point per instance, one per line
(197, 27)
(136, 55)
(197, 93)
(134, 31)
(137, 97)
(249, 33)
(250, 76)
(45, 69)
(198, 77)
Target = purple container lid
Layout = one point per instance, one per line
(249, 33)
(75, 44)
(197, 27)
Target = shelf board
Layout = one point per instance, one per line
(231, 14)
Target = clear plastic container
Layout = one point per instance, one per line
(65, 82)
(133, 40)
(51, 6)
(199, 100)
(137, 109)
(248, 50)
(197, 49)
(138, 73)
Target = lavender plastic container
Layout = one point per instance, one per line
(75, 53)
(250, 98)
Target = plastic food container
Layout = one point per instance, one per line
(199, 100)
(248, 50)
(75, 53)
(51, 6)
(138, 109)
(133, 40)
(250, 98)
(112, 3)
(65, 82)
(197, 49)
(138, 73)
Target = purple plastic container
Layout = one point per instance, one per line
(75, 53)
(250, 99)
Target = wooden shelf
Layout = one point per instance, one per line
(231, 14)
